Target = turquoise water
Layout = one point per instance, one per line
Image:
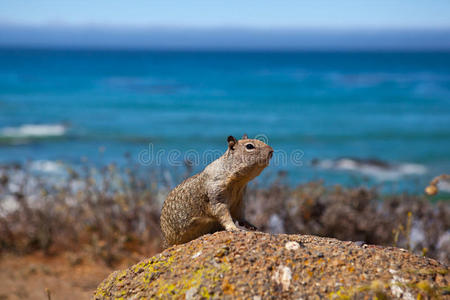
(392, 107)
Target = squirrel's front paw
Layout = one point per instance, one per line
(232, 227)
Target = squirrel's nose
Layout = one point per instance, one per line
(270, 154)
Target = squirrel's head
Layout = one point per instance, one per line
(247, 157)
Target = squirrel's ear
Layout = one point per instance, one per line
(231, 142)
(244, 137)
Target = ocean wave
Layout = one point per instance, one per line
(33, 131)
(375, 168)
(143, 84)
(47, 166)
(367, 79)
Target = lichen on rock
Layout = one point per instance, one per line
(247, 264)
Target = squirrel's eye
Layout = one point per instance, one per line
(249, 146)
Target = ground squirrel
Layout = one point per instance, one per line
(213, 199)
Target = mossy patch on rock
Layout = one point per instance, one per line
(245, 264)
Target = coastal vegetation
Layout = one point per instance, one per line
(111, 213)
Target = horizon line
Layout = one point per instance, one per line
(82, 48)
(221, 38)
(111, 26)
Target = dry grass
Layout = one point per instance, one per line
(109, 213)
(112, 213)
(359, 214)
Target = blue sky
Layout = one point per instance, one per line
(234, 24)
(335, 14)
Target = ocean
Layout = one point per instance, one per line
(373, 118)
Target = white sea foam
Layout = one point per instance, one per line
(34, 130)
(47, 166)
(377, 169)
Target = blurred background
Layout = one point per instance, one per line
(363, 89)
(354, 96)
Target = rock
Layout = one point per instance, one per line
(257, 265)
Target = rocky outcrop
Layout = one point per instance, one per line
(258, 265)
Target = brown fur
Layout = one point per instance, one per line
(213, 199)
